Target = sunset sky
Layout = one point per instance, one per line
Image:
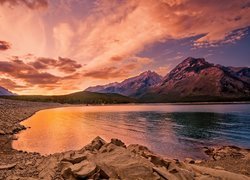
(63, 46)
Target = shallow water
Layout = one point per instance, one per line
(171, 130)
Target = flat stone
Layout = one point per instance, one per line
(2, 132)
(7, 166)
(13, 177)
(83, 169)
(75, 158)
(219, 167)
(198, 161)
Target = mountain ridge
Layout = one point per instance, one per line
(132, 87)
(5, 92)
(194, 79)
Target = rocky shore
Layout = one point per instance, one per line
(107, 160)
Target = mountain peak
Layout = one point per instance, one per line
(191, 65)
(148, 73)
(194, 61)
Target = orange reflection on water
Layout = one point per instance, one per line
(62, 129)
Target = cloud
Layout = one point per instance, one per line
(118, 30)
(230, 38)
(163, 70)
(19, 70)
(32, 4)
(108, 72)
(9, 84)
(4, 45)
(65, 65)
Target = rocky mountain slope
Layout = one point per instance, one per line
(191, 80)
(5, 92)
(133, 87)
(197, 80)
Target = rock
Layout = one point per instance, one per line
(158, 161)
(7, 166)
(83, 169)
(14, 137)
(13, 177)
(2, 132)
(108, 148)
(75, 157)
(48, 168)
(198, 161)
(164, 173)
(29, 163)
(189, 160)
(96, 144)
(118, 142)
(120, 163)
(219, 167)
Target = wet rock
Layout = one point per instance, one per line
(118, 142)
(7, 166)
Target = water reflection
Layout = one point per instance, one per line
(170, 130)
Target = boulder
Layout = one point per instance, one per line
(118, 142)
(96, 144)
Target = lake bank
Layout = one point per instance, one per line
(23, 164)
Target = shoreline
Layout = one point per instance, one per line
(19, 164)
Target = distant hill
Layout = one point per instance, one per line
(132, 87)
(5, 92)
(194, 79)
(82, 97)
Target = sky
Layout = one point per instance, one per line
(61, 46)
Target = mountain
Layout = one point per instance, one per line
(194, 79)
(5, 92)
(82, 97)
(197, 80)
(132, 87)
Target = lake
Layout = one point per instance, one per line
(175, 131)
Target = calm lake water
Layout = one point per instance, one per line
(170, 130)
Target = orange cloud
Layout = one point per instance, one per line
(4, 45)
(65, 65)
(9, 84)
(32, 4)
